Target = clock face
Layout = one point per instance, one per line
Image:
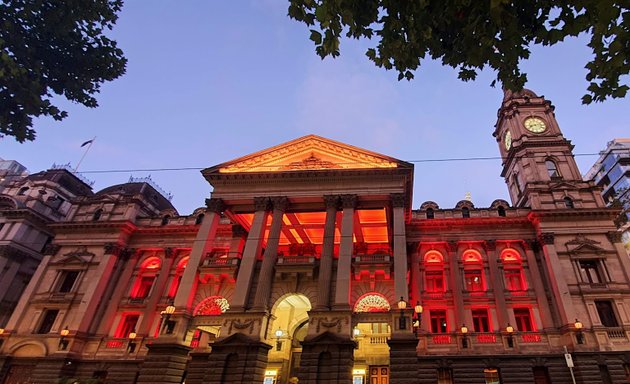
(507, 140)
(535, 124)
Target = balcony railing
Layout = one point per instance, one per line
(617, 333)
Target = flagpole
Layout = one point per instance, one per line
(84, 153)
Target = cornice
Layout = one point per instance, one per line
(125, 226)
(469, 222)
(569, 214)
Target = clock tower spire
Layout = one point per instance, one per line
(538, 163)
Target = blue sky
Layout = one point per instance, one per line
(210, 81)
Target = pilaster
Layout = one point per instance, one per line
(326, 259)
(400, 247)
(496, 276)
(558, 282)
(346, 248)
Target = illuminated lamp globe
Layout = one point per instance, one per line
(64, 332)
(402, 304)
(464, 329)
(509, 328)
(132, 335)
(578, 324)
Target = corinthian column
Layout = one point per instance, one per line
(261, 300)
(342, 290)
(400, 247)
(325, 262)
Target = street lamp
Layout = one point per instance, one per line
(510, 339)
(279, 334)
(166, 315)
(402, 321)
(131, 347)
(464, 330)
(356, 332)
(579, 336)
(417, 322)
(63, 342)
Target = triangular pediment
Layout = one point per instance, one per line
(308, 153)
(582, 244)
(80, 256)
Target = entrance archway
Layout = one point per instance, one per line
(288, 329)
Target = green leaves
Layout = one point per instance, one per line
(53, 47)
(470, 35)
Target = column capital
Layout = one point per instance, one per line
(169, 252)
(546, 238)
(331, 201)
(238, 230)
(51, 249)
(399, 200)
(452, 246)
(261, 203)
(349, 201)
(127, 253)
(215, 205)
(614, 236)
(112, 249)
(280, 203)
(490, 245)
(530, 245)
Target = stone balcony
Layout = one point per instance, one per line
(371, 264)
(214, 266)
(292, 265)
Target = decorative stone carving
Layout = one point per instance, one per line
(547, 238)
(614, 236)
(280, 203)
(452, 246)
(169, 252)
(112, 249)
(349, 201)
(399, 200)
(126, 253)
(490, 245)
(51, 249)
(261, 203)
(215, 205)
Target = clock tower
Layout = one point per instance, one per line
(538, 163)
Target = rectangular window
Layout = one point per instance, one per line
(435, 281)
(144, 287)
(67, 280)
(445, 376)
(513, 280)
(606, 313)
(438, 321)
(541, 375)
(480, 320)
(48, 320)
(473, 280)
(492, 376)
(127, 325)
(523, 319)
(590, 272)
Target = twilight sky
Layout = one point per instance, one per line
(210, 81)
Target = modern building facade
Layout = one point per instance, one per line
(308, 263)
(611, 172)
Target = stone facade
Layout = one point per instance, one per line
(308, 263)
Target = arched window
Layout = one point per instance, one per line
(434, 272)
(147, 274)
(473, 271)
(177, 278)
(199, 219)
(97, 215)
(22, 191)
(430, 213)
(372, 302)
(501, 211)
(465, 212)
(568, 202)
(513, 270)
(211, 306)
(552, 169)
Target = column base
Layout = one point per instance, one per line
(327, 358)
(165, 363)
(239, 358)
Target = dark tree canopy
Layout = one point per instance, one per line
(50, 47)
(473, 34)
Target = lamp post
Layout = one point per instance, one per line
(579, 336)
(464, 330)
(510, 338)
(417, 322)
(356, 332)
(166, 315)
(279, 334)
(131, 347)
(63, 342)
(402, 321)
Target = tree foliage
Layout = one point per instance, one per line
(470, 35)
(50, 47)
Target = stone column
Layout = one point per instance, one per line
(497, 283)
(265, 277)
(415, 275)
(400, 247)
(346, 248)
(238, 239)
(130, 257)
(158, 292)
(202, 245)
(539, 289)
(558, 282)
(253, 246)
(16, 318)
(456, 283)
(328, 248)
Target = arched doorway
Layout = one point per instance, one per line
(288, 329)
